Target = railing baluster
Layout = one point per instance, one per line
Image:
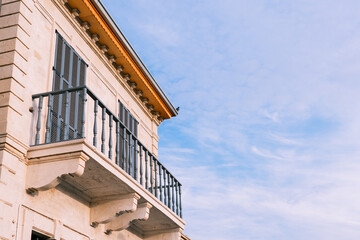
(96, 103)
(48, 120)
(151, 174)
(117, 157)
(76, 130)
(38, 125)
(160, 185)
(177, 197)
(173, 194)
(146, 171)
(110, 135)
(165, 195)
(180, 200)
(129, 154)
(83, 113)
(135, 160)
(103, 130)
(141, 165)
(66, 117)
(168, 189)
(156, 183)
(123, 150)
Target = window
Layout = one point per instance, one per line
(38, 236)
(127, 140)
(127, 119)
(69, 72)
(69, 68)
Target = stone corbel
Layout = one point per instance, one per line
(126, 77)
(139, 93)
(104, 48)
(145, 100)
(95, 37)
(150, 107)
(75, 12)
(85, 25)
(112, 58)
(105, 211)
(155, 113)
(161, 119)
(122, 222)
(132, 84)
(43, 173)
(119, 69)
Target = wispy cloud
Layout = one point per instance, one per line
(267, 142)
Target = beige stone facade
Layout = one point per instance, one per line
(77, 179)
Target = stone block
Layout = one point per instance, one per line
(9, 99)
(15, 19)
(15, 32)
(13, 57)
(10, 8)
(12, 71)
(5, 222)
(10, 161)
(14, 44)
(7, 45)
(3, 119)
(13, 86)
(15, 7)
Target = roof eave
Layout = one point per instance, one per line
(102, 10)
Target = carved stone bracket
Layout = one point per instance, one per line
(106, 211)
(122, 222)
(43, 173)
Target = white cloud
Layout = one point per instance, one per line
(268, 137)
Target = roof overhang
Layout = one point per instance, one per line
(100, 22)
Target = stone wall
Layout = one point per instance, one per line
(27, 46)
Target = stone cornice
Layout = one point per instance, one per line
(13, 146)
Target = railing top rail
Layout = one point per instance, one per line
(108, 111)
(58, 92)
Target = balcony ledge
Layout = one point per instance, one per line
(80, 166)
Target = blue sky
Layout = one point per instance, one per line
(267, 141)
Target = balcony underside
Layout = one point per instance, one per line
(81, 169)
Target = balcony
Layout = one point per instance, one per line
(88, 148)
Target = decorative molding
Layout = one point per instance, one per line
(12, 150)
(13, 146)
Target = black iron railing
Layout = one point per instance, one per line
(65, 119)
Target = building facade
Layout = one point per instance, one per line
(79, 114)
